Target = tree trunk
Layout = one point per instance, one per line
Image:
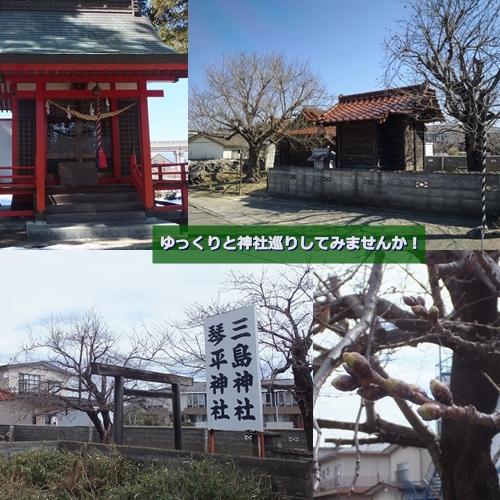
(468, 470)
(305, 402)
(253, 174)
(304, 387)
(105, 431)
(475, 144)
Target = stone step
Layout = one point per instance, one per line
(80, 204)
(66, 218)
(104, 188)
(64, 198)
(94, 230)
(94, 207)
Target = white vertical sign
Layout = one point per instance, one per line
(234, 400)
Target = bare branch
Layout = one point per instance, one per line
(256, 96)
(353, 334)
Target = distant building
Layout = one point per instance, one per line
(388, 472)
(19, 380)
(450, 136)
(279, 408)
(216, 146)
(158, 158)
(30, 377)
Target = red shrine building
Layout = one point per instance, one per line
(74, 74)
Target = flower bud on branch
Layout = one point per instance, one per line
(433, 314)
(374, 387)
(441, 392)
(400, 389)
(345, 383)
(414, 301)
(358, 364)
(431, 411)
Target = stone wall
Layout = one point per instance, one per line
(457, 194)
(193, 439)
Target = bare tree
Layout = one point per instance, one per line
(283, 296)
(367, 326)
(71, 344)
(255, 95)
(454, 45)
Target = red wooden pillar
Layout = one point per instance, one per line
(146, 149)
(15, 134)
(115, 137)
(41, 154)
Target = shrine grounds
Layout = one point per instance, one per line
(254, 207)
(257, 208)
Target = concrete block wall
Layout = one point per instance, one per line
(457, 194)
(193, 439)
(53, 433)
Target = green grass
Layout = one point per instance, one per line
(61, 475)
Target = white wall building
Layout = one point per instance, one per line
(19, 379)
(388, 472)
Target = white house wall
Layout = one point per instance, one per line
(418, 460)
(374, 468)
(9, 379)
(387, 494)
(11, 414)
(202, 148)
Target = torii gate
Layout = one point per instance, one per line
(120, 373)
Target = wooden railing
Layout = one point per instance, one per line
(16, 180)
(171, 177)
(165, 177)
(137, 177)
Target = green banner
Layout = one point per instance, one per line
(288, 244)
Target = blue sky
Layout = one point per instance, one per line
(342, 39)
(168, 115)
(123, 285)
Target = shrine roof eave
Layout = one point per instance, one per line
(85, 66)
(379, 119)
(75, 60)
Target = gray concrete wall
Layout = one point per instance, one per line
(456, 194)
(295, 476)
(193, 439)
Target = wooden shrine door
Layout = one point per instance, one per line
(72, 139)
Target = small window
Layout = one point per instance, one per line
(337, 479)
(280, 396)
(196, 401)
(268, 399)
(402, 472)
(28, 382)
